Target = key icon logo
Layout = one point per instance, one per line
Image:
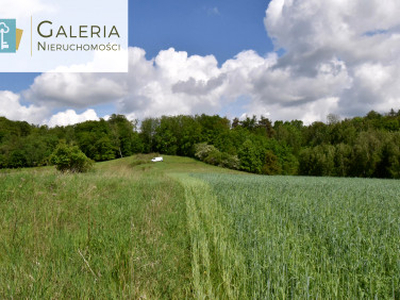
(3, 30)
(10, 36)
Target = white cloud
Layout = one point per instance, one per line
(76, 90)
(101, 62)
(309, 111)
(70, 117)
(362, 36)
(11, 108)
(172, 83)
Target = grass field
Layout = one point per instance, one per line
(183, 229)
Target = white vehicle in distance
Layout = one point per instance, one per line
(156, 159)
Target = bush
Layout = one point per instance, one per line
(211, 155)
(229, 161)
(70, 159)
(203, 150)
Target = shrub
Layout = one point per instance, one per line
(203, 150)
(230, 161)
(70, 159)
(211, 155)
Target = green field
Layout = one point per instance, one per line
(183, 229)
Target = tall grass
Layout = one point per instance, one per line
(314, 237)
(111, 233)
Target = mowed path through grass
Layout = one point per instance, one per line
(183, 229)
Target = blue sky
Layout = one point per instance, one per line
(16, 82)
(219, 27)
(217, 57)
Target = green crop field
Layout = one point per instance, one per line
(182, 229)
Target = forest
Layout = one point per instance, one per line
(366, 146)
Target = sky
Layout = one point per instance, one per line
(283, 59)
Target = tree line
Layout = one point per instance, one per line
(366, 146)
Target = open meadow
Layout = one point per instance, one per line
(183, 229)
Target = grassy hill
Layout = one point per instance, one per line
(183, 229)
